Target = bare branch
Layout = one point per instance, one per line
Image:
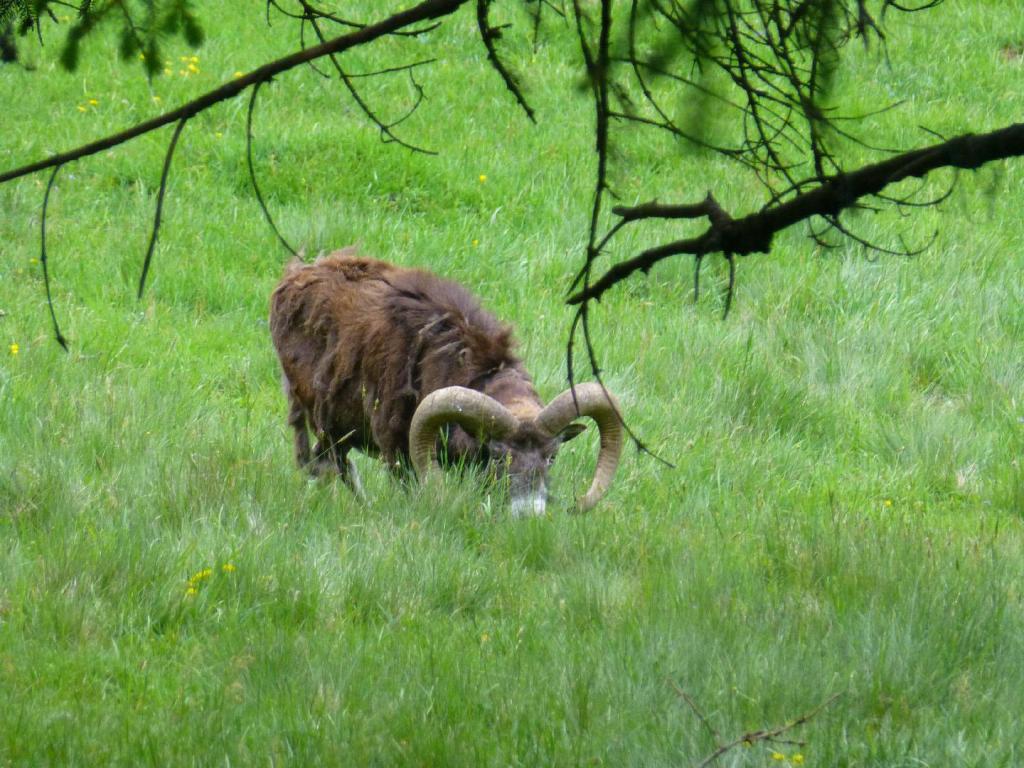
(43, 260)
(252, 172)
(768, 735)
(159, 204)
(428, 9)
(488, 35)
(754, 233)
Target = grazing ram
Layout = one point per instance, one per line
(399, 363)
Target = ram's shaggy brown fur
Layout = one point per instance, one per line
(362, 342)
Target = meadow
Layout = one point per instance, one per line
(843, 518)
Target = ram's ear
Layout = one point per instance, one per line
(571, 431)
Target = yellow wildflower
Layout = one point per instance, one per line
(193, 68)
(194, 59)
(484, 638)
(14, 349)
(157, 99)
(483, 177)
(94, 102)
(888, 502)
(168, 71)
(475, 242)
(239, 74)
(81, 108)
(191, 592)
(778, 756)
(228, 568)
(797, 759)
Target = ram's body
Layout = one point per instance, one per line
(363, 342)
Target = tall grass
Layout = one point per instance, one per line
(843, 517)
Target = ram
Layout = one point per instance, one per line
(404, 365)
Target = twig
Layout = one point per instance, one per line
(42, 260)
(770, 735)
(159, 205)
(252, 172)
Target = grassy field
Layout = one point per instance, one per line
(844, 516)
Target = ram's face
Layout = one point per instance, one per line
(523, 459)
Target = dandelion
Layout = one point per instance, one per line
(14, 349)
(483, 177)
(239, 74)
(778, 756)
(797, 759)
(193, 59)
(94, 102)
(888, 502)
(218, 134)
(475, 242)
(191, 592)
(81, 108)
(228, 568)
(193, 68)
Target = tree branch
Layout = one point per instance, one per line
(429, 9)
(754, 233)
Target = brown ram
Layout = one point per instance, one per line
(398, 362)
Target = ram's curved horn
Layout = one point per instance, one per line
(600, 405)
(468, 408)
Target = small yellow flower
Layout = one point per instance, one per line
(168, 71)
(778, 756)
(14, 349)
(888, 502)
(483, 177)
(191, 592)
(193, 68)
(228, 568)
(485, 638)
(194, 59)
(797, 759)
(142, 57)
(157, 99)
(94, 102)
(81, 108)
(239, 74)
(218, 134)
(475, 242)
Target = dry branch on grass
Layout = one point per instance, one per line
(750, 738)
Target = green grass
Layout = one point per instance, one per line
(844, 515)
